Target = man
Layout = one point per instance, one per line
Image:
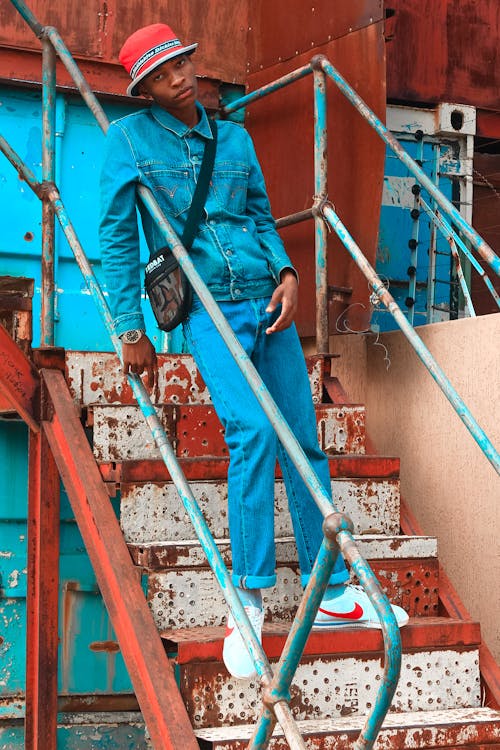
(241, 258)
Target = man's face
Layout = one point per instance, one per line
(173, 86)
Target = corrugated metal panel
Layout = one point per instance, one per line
(444, 51)
(282, 127)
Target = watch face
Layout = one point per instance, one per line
(132, 336)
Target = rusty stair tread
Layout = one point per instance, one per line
(96, 377)
(451, 728)
(188, 552)
(357, 466)
(205, 643)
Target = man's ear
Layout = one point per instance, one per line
(142, 91)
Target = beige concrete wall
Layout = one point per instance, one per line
(450, 486)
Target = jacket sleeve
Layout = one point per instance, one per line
(259, 209)
(118, 231)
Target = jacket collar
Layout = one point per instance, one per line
(178, 127)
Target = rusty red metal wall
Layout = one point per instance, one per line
(256, 42)
(485, 213)
(351, 36)
(444, 50)
(95, 30)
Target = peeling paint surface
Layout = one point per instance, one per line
(121, 433)
(111, 731)
(153, 512)
(413, 730)
(334, 687)
(96, 377)
(188, 553)
(182, 597)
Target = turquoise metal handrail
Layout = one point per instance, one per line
(447, 231)
(323, 209)
(337, 528)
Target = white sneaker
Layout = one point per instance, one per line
(353, 608)
(235, 654)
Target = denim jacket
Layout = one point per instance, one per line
(237, 251)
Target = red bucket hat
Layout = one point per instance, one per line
(147, 48)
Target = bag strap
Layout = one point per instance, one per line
(201, 190)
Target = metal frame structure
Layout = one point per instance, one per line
(161, 704)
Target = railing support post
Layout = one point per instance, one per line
(48, 176)
(320, 195)
(42, 597)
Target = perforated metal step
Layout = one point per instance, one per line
(471, 727)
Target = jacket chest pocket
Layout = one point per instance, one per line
(172, 187)
(230, 189)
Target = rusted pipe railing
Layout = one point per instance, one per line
(320, 226)
(423, 353)
(48, 176)
(477, 242)
(451, 236)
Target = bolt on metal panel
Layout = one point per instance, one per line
(153, 512)
(341, 429)
(334, 687)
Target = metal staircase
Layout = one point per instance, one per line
(344, 681)
(439, 699)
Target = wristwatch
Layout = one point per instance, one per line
(132, 336)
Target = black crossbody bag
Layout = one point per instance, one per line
(167, 286)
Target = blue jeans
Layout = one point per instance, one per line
(252, 442)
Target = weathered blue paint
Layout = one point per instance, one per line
(418, 345)
(84, 668)
(412, 285)
(452, 236)
(395, 254)
(85, 735)
(482, 247)
(79, 143)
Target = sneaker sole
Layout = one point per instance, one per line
(333, 625)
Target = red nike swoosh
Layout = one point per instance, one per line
(356, 613)
(228, 631)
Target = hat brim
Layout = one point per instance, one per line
(132, 88)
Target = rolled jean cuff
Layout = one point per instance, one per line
(253, 582)
(335, 578)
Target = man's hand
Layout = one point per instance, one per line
(140, 357)
(287, 294)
